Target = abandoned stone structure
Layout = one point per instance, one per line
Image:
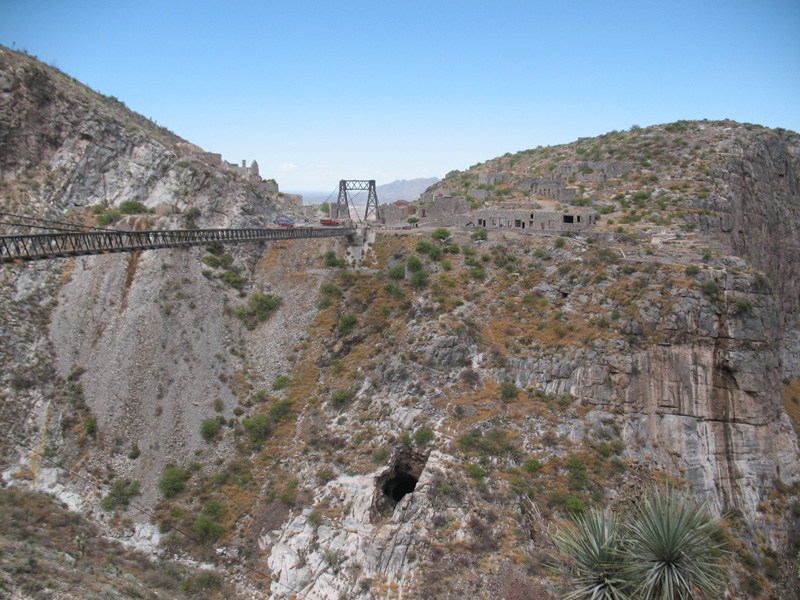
(437, 193)
(249, 173)
(554, 188)
(493, 178)
(477, 194)
(444, 210)
(396, 213)
(528, 220)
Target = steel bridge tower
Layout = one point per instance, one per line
(344, 202)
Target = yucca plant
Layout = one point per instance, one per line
(592, 547)
(671, 549)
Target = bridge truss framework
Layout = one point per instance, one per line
(344, 202)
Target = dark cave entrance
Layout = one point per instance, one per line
(398, 480)
(397, 487)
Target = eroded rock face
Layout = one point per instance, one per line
(689, 380)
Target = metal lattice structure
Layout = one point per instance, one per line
(344, 202)
(18, 248)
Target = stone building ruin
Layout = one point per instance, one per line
(529, 220)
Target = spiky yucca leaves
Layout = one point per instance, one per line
(592, 546)
(671, 549)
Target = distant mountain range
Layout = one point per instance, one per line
(403, 189)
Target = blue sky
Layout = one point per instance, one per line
(322, 91)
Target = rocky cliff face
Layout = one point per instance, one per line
(383, 437)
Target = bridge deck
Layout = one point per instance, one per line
(16, 248)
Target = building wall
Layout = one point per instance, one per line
(529, 220)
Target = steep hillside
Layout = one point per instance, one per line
(415, 416)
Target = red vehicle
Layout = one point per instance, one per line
(329, 222)
(286, 223)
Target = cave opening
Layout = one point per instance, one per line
(397, 480)
(397, 487)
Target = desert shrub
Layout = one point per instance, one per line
(711, 289)
(480, 234)
(108, 218)
(209, 428)
(397, 272)
(332, 261)
(346, 323)
(233, 279)
(280, 383)
(475, 471)
(419, 279)
(205, 580)
(508, 390)
(132, 207)
(120, 495)
(173, 480)
(258, 309)
(212, 261)
(289, 494)
(280, 409)
(207, 529)
(380, 454)
(559, 243)
(441, 234)
(692, 270)
(134, 453)
(258, 428)
(532, 465)
(423, 436)
(414, 264)
(342, 397)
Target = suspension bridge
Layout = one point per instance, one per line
(23, 248)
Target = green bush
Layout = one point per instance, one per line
(280, 383)
(508, 390)
(559, 243)
(397, 272)
(414, 264)
(258, 309)
(711, 289)
(233, 279)
(258, 428)
(332, 261)
(480, 234)
(173, 480)
(280, 409)
(475, 471)
(209, 428)
(289, 493)
(692, 270)
(532, 465)
(122, 492)
(346, 323)
(132, 207)
(212, 261)
(108, 218)
(342, 397)
(419, 279)
(441, 234)
(207, 529)
(424, 435)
